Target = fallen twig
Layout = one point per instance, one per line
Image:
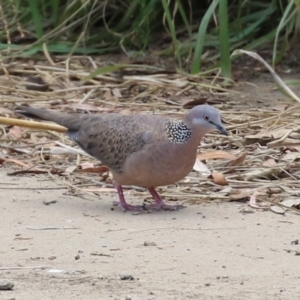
(32, 124)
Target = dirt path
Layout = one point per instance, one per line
(212, 251)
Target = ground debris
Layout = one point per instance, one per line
(126, 277)
(6, 285)
(261, 152)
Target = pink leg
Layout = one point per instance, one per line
(159, 203)
(125, 206)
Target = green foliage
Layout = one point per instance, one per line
(201, 37)
(200, 32)
(224, 40)
(289, 24)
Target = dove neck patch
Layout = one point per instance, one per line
(177, 132)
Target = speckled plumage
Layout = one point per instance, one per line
(141, 150)
(177, 132)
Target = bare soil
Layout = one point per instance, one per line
(79, 248)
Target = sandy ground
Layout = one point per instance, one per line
(80, 249)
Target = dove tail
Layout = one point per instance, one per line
(72, 122)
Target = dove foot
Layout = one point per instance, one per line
(160, 204)
(123, 204)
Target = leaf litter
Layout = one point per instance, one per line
(258, 162)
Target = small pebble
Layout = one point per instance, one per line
(6, 285)
(127, 277)
(49, 202)
(149, 244)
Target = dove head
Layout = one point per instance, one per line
(204, 118)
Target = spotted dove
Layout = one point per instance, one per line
(139, 150)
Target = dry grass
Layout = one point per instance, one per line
(270, 137)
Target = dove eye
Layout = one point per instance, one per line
(206, 118)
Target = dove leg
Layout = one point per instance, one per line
(125, 206)
(159, 203)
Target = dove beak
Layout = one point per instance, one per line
(221, 129)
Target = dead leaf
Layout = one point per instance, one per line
(269, 163)
(215, 155)
(16, 132)
(93, 169)
(226, 190)
(70, 169)
(278, 209)
(86, 165)
(280, 107)
(116, 92)
(201, 168)
(219, 178)
(238, 161)
(107, 95)
(292, 202)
